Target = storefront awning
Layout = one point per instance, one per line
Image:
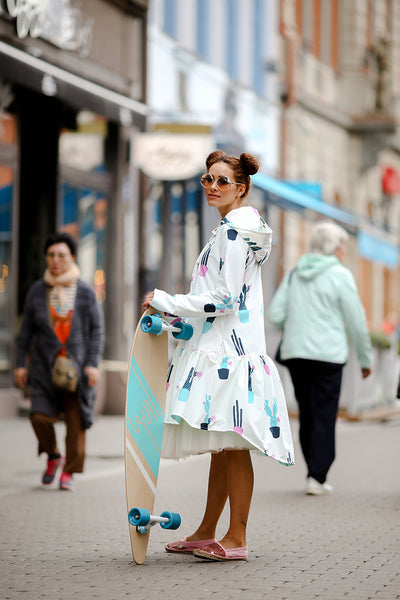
(287, 196)
(374, 244)
(23, 68)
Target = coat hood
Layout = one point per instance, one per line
(310, 265)
(253, 229)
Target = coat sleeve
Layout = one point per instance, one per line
(278, 308)
(354, 319)
(96, 333)
(227, 283)
(26, 332)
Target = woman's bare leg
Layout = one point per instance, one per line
(216, 497)
(231, 474)
(240, 478)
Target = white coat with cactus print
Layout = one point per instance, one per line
(222, 380)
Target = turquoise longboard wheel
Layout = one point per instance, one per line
(185, 333)
(139, 516)
(151, 324)
(174, 520)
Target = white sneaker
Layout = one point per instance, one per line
(314, 488)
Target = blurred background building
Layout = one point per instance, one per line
(109, 108)
(312, 88)
(72, 95)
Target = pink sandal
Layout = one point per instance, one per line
(184, 546)
(216, 551)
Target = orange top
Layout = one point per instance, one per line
(62, 326)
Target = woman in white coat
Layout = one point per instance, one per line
(224, 394)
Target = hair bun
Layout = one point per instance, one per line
(249, 163)
(214, 157)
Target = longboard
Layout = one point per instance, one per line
(144, 423)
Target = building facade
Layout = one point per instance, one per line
(211, 84)
(340, 129)
(308, 86)
(72, 97)
(108, 110)
(311, 88)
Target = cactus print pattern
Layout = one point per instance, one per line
(222, 381)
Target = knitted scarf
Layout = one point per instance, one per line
(59, 282)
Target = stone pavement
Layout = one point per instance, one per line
(59, 545)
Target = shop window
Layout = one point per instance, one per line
(170, 20)
(318, 23)
(6, 192)
(172, 235)
(203, 17)
(232, 48)
(8, 130)
(84, 215)
(258, 69)
(83, 196)
(7, 173)
(83, 148)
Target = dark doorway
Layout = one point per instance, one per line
(39, 120)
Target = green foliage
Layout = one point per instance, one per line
(380, 340)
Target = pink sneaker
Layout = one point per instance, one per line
(53, 468)
(66, 482)
(185, 547)
(216, 551)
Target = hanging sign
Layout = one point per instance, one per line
(390, 181)
(55, 21)
(29, 15)
(171, 156)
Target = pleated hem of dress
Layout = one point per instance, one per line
(182, 440)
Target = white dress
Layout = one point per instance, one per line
(224, 391)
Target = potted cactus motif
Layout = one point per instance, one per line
(204, 260)
(243, 312)
(265, 365)
(237, 418)
(223, 371)
(169, 375)
(207, 405)
(274, 429)
(227, 303)
(207, 325)
(250, 391)
(187, 386)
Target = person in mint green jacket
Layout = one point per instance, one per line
(317, 307)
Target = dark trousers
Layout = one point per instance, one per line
(75, 440)
(317, 389)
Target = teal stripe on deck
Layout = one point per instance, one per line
(145, 417)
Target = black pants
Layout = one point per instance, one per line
(317, 389)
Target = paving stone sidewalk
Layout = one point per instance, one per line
(58, 545)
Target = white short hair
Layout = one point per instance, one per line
(327, 237)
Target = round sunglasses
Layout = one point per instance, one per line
(223, 182)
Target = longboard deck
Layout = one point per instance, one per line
(144, 423)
